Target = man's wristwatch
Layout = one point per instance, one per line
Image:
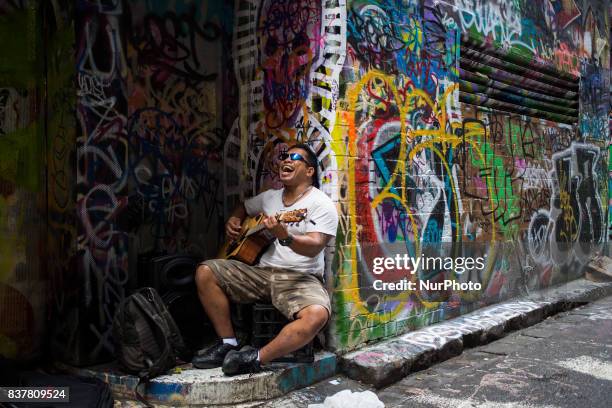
(286, 241)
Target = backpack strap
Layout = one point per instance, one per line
(139, 396)
(167, 352)
(144, 303)
(174, 335)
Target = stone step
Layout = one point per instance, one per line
(188, 386)
(388, 361)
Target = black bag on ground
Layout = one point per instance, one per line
(147, 340)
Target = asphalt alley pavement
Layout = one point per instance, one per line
(564, 361)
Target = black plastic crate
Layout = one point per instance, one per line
(267, 323)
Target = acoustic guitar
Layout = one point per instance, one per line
(254, 238)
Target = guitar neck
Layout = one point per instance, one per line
(280, 218)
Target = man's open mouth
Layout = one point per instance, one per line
(285, 168)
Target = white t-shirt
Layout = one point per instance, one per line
(321, 216)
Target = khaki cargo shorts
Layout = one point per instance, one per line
(289, 291)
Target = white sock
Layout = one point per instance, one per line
(230, 340)
(258, 356)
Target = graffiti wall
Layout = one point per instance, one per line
(154, 90)
(287, 57)
(458, 128)
(482, 182)
(22, 181)
(124, 113)
(181, 106)
(425, 158)
(101, 174)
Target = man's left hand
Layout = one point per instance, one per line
(278, 229)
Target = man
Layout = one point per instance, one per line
(289, 273)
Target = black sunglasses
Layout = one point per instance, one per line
(294, 157)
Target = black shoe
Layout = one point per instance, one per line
(213, 356)
(241, 362)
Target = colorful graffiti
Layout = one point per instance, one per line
(455, 127)
(413, 169)
(423, 173)
(288, 68)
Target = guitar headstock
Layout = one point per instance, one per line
(293, 216)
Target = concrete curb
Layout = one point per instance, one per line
(388, 361)
(379, 365)
(188, 386)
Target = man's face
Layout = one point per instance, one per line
(293, 169)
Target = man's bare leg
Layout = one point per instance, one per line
(215, 301)
(296, 334)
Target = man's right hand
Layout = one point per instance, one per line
(233, 227)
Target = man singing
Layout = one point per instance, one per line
(289, 273)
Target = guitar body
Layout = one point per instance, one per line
(252, 247)
(255, 238)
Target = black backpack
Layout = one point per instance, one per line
(147, 340)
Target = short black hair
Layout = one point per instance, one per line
(311, 159)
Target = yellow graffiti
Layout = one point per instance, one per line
(424, 139)
(571, 233)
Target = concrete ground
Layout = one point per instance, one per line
(564, 361)
(560, 358)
